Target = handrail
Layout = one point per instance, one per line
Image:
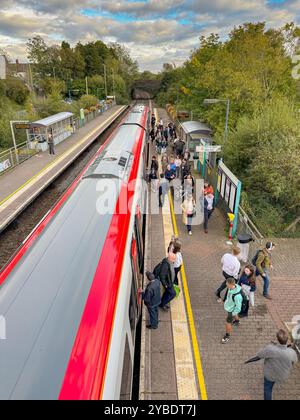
(252, 227)
(12, 149)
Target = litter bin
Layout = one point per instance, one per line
(244, 240)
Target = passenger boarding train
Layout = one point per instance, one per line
(70, 294)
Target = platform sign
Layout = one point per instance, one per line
(6, 164)
(230, 189)
(22, 126)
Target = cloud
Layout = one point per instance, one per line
(155, 31)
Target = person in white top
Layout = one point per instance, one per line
(231, 267)
(179, 261)
(188, 207)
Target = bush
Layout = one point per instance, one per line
(87, 101)
(16, 90)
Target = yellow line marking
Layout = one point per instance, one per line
(183, 352)
(196, 349)
(59, 158)
(184, 363)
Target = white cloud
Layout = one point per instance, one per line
(155, 32)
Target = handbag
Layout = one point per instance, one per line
(177, 290)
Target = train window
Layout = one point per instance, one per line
(127, 374)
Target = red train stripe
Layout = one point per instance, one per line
(4, 273)
(85, 375)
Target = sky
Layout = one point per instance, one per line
(155, 31)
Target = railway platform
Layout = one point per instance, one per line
(20, 186)
(184, 358)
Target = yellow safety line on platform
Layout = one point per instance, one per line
(58, 159)
(186, 377)
(196, 349)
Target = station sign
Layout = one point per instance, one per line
(22, 126)
(6, 164)
(228, 186)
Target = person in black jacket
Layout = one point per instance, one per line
(167, 277)
(152, 300)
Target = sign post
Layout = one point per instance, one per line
(20, 125)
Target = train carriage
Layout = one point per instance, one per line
(70, 295)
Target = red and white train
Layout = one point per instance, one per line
(70, 295)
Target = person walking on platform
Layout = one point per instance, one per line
(51, 143)
(152, 299)
(263, 263)
(153, 176)
(166, 274)
(279, 359)
(185, 170)
(164, 162)
(164, 187)
(179, 260)
(188, 208)
(231, 268)
(233, 306)
(208, 209)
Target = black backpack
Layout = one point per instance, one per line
(157, 270)
(245, 303)
(255, 258)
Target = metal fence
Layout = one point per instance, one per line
(12, 157)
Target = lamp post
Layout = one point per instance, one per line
(105, 81)
(216, 101)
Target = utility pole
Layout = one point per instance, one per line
(105, 81)
(227, 121)
(87, 85)
(114, 93)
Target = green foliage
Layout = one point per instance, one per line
(14, 89)
(88, 101)
(252, 68)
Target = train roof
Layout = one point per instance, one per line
(44, 297)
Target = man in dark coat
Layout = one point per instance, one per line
(167, 277)
(152, 300)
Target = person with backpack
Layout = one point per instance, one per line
(279, 359)
(170, 173)
(179, 147)
(233, 307)
(231, 268)
(166, 274)
(185, 170)
(152, 299)
(248, 283)
(263, 263)
(158, 145)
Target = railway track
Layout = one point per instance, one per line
(15, 234)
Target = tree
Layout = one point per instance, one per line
(88, 101)
(15, 90)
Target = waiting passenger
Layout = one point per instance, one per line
(166, 274)
(152, 300)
